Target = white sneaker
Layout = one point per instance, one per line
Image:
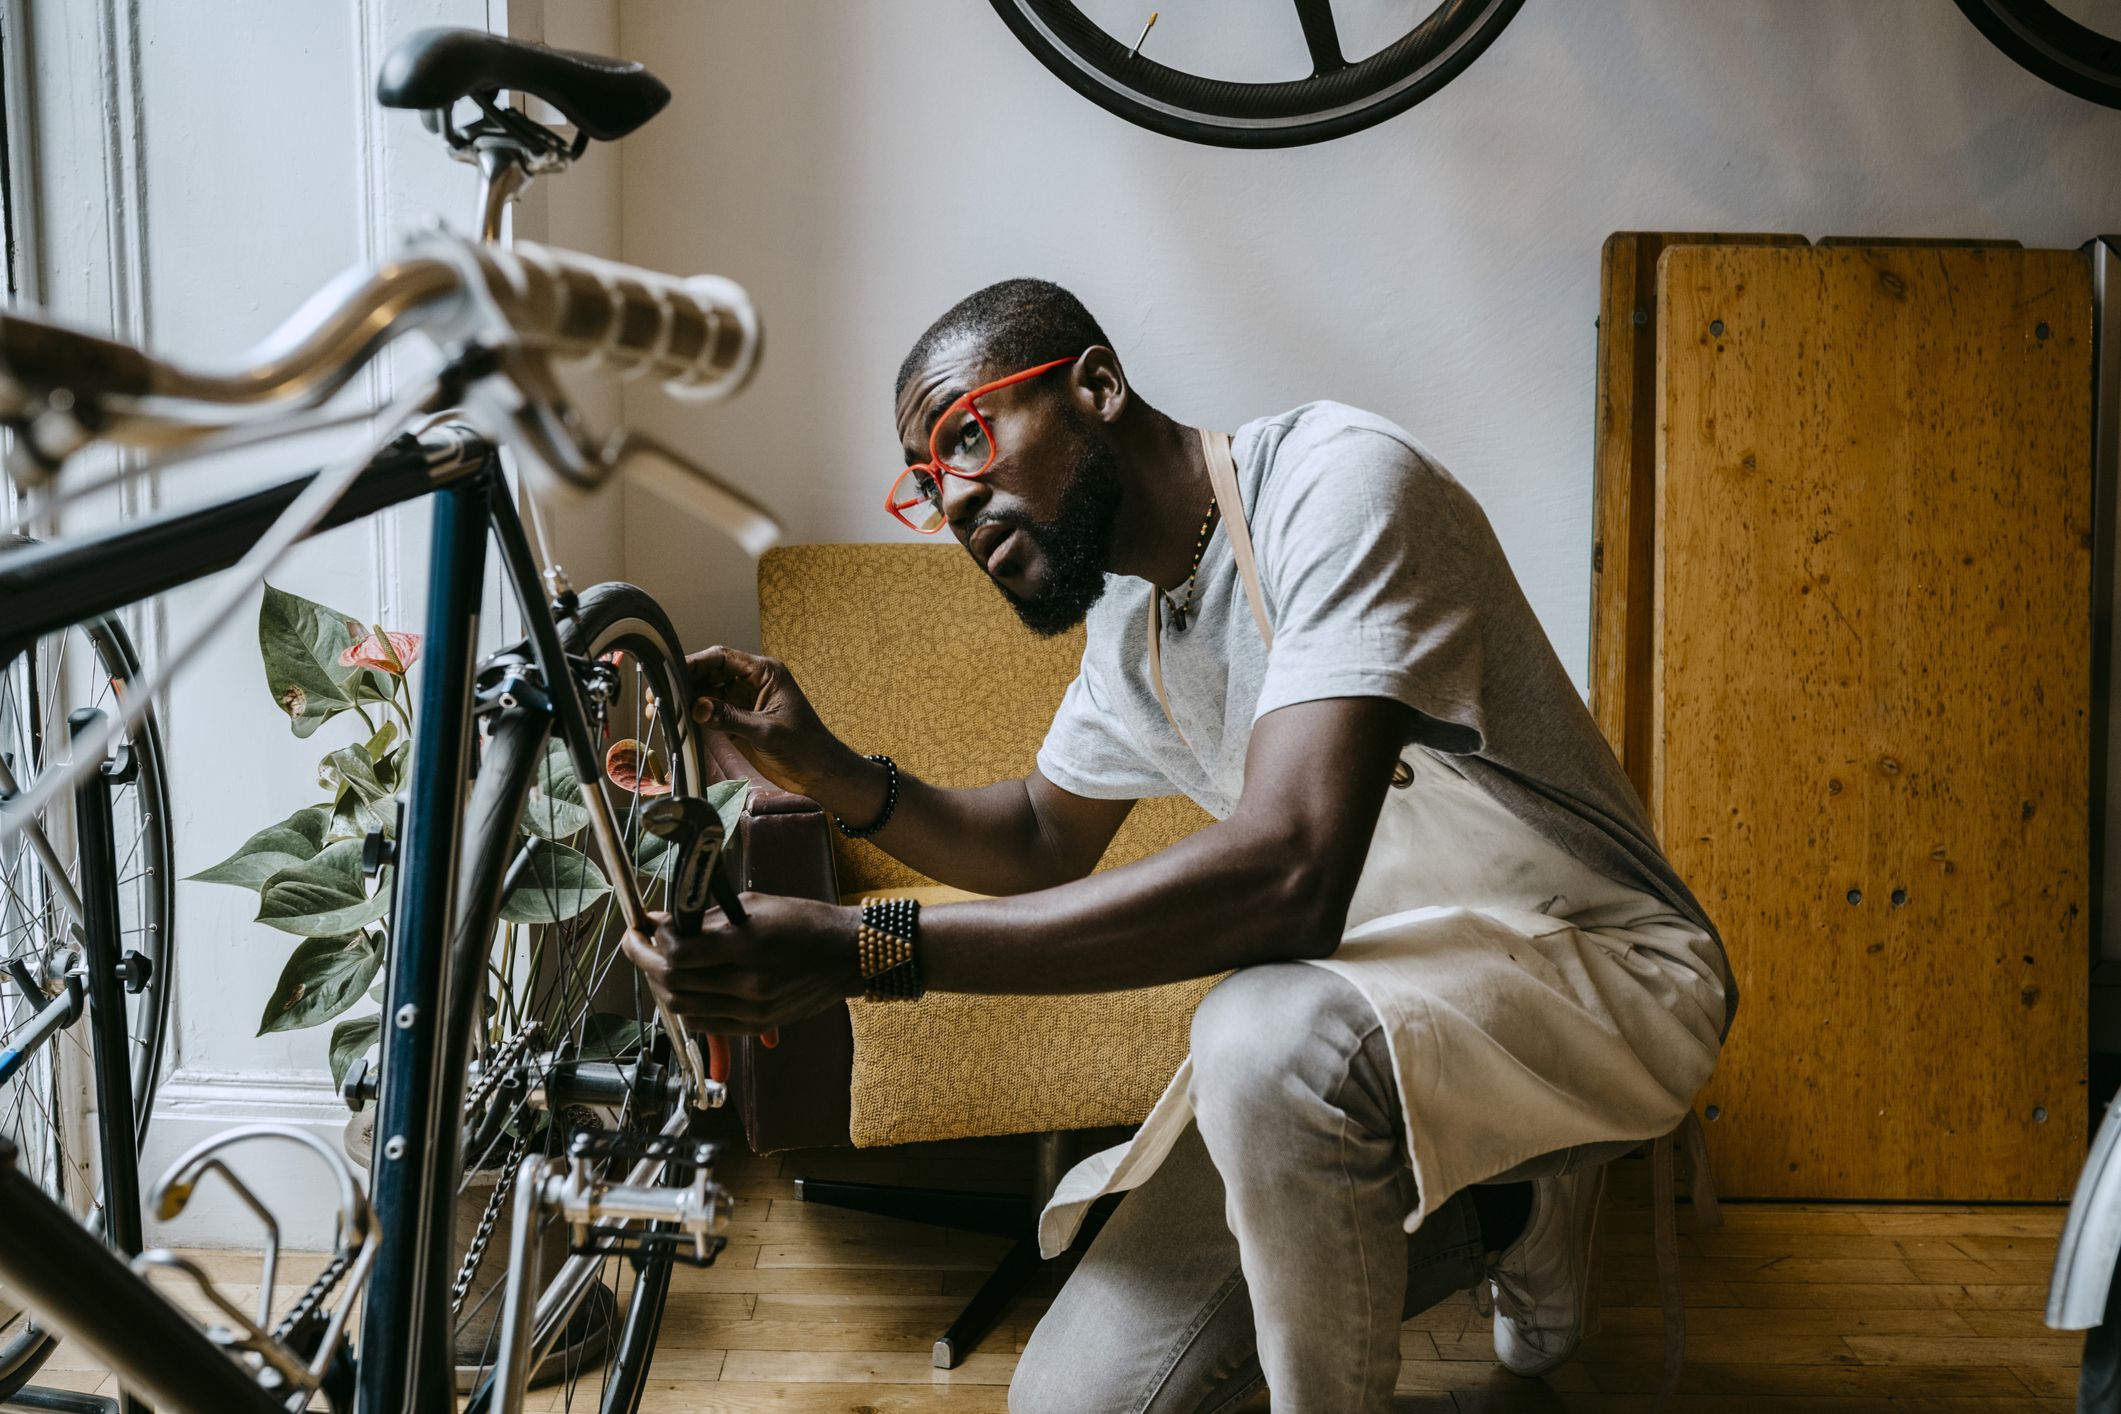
(1541, 1283)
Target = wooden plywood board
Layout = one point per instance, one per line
(1623, 470)
(1870, 695)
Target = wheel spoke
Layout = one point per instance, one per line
(1321, 36)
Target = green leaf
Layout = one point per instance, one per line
(272, 849)
(301, 641)
(608, 1036)
(393, 771)
(549, 817)
(367, 684)
(359, 796)
(351, 768)
(348, 1040)
(555, 810)
(325, 896)
(650, 853)
(560, 883)
(729, 799)
(352, 818)
(378, 746)
(324, 977)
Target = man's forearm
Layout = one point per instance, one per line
(986, 840)
(1226, 896)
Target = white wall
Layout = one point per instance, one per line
(200, 168)
(860, 166)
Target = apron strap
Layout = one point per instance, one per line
(1156, 667)
(1222, 483)
(1222, 476)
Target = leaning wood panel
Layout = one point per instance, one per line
(1871, 688)
(1623, 473)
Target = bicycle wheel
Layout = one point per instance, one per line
(2040, 37)
(569, 1019)
(45, 1104)
(1338, 96)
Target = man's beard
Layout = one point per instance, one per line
(1076, 544)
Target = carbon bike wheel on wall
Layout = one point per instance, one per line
(45, 1103)
(2041, 38)
(1396, 68)
(572, 997)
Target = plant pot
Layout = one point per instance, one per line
(589, 1331)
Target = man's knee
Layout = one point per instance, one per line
(1039, 1385)
(1060, 1372)
(1264, 1029)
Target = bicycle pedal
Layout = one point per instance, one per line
(627, 1192)
(633, 1147)
(642, 1246)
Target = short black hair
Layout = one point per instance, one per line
(1016, 323)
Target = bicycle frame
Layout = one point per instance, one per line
(66, 1274)
(405, 1361)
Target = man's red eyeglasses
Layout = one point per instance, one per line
(960, 444)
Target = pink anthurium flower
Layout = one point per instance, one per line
(384, 651)
(632, 766)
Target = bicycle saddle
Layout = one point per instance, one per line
(433, 68)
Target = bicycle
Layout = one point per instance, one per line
(1358, 80)
(43, 1083)
(593, 1109)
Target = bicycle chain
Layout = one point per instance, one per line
(476, 1252)
(311, 1299)
(496, 1065)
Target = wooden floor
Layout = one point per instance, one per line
(1791, 1309)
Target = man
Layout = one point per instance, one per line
(1458, 951)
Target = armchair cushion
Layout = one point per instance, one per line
(952, 1065)
(907, 649)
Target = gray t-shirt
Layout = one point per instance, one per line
(1382, 579)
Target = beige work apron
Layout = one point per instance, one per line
(1530, 1005)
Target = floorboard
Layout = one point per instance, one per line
(1791, 1308)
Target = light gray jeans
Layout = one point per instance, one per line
(1268, 1245)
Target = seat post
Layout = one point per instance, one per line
(504, 173)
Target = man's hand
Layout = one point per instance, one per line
(755, 700)
(791, 959)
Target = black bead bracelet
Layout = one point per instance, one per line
(890, 802)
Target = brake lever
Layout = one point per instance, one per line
(692, 487)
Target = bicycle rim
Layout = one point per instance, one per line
(1334, 102)
(563, 992)
(2048, 43)
(45, 1107)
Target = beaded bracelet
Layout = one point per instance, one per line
(885, 949)
(890, 802)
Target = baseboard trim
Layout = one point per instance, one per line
(192, 1106)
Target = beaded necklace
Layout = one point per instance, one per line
(1182, 612)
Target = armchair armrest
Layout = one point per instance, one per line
(794, 1095)
(725, 762)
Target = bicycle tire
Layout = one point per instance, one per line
(2051, 45)
(29, 711)
(612, 622)
(1329, 104)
